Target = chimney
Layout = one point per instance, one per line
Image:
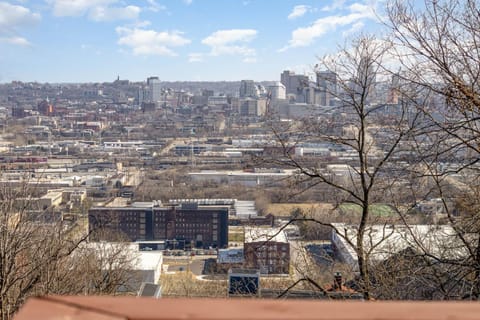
(337, 283)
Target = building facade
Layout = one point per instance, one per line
(248, 89)
(267, 249)
(190, 224)
(277, 91)
(155, 89)
(294, 83)
(250, 106)
(327, 85)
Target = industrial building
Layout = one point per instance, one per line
(189, 224)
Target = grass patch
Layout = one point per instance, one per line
(236, 236)
(285, 209)
(379, 210)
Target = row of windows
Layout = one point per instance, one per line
(271, 255)
(272, 248)
(272, 262)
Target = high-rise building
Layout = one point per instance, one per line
(294, 83)
(143, 95)
(327, 85)
(394, 89)
(155, 89)
(250, 106)
(248, 89)
(366, 78)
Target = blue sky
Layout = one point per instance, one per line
(96, 40)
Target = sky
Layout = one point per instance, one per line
(177, 40)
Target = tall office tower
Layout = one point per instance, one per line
(294, 83)
(155, 89)
(248, 89)
(366, 77)
(143, 95)
(327, 85)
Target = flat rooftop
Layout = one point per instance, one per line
(262, 234)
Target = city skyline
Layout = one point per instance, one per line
(186, 40)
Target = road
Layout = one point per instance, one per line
(193, 264)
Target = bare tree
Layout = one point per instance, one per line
(438, 49)
(355, 127)
(40, 254)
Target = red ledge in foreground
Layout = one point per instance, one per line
(132, 308)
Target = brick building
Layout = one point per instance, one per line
(45, 108)
(267, 249)
(192, 225)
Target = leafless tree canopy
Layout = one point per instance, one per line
(427, 148)
(41, 255)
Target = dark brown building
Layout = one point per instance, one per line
(267, 249)
(189, 224)
(45, 108)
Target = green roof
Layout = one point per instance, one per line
(381, 210)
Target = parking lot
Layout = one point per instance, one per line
(194, 264)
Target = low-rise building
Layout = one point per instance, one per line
(383, 241)
(258, 177)
(267, 249)
(144, 266)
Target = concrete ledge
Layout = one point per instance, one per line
(110, 308)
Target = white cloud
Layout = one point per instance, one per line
(141, 24)
(112, 13)
(151, 42)
(188, 2)
(305, 36)
(232, 42)
(18, 41)
(13, 16)
(298, 11)
(250, 60)
(224, 37)
(72, 8)
(155, 7)
(97, 10)
(195, 57)
(356, 27)
(335, 5)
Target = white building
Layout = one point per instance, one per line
(277, 91)
(231, 255)
(121, 146)
(217, 100)
(248, 89)
(242, 177)
(387, 240)
(146, 264)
